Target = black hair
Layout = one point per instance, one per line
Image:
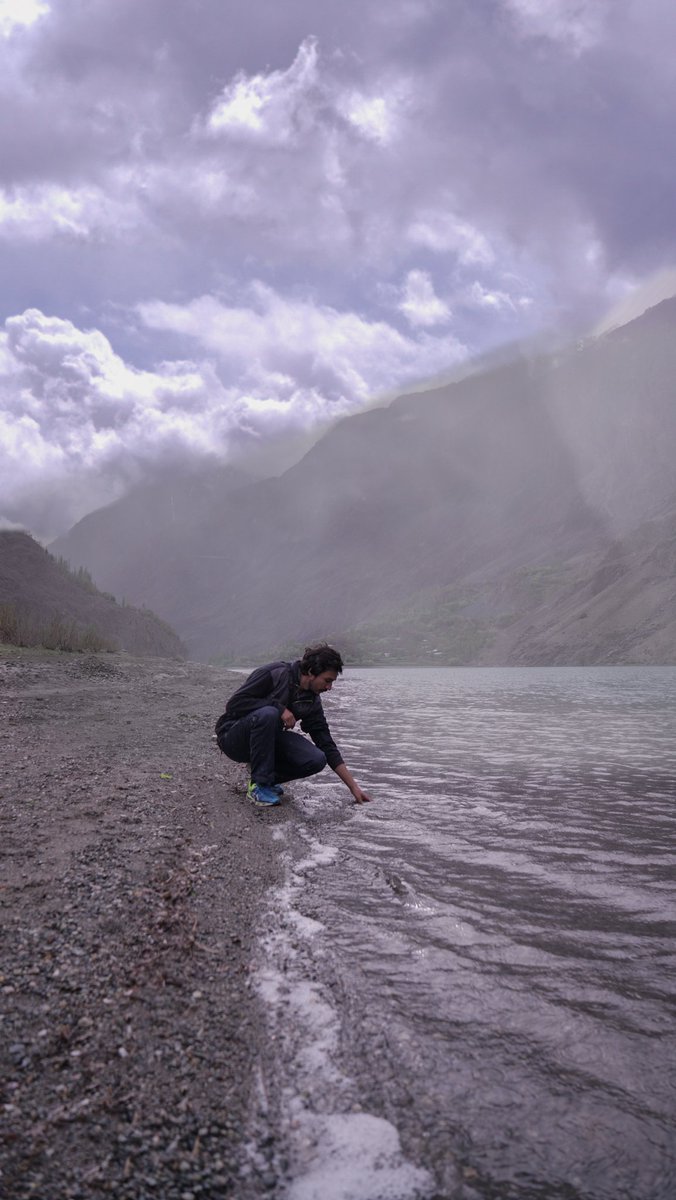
(320, 657)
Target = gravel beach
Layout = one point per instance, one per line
(134, 877)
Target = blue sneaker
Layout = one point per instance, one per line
(261, 796)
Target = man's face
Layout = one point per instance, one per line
(323, 682)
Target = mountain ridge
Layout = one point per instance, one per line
(540, 464)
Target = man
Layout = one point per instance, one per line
(259, 717)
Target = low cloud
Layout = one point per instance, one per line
(80, 425)
(345, 357)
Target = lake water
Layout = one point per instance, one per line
(472, 982)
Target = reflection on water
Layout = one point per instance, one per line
(506, 913)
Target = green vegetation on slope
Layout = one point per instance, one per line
(19, 628)
(452, 626)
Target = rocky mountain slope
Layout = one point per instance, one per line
(523, 514)
(38, 590)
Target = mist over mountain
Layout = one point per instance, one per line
(523, 514)
(144, 539)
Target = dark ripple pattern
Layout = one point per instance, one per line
(508, 909)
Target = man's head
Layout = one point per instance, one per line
(320, 666)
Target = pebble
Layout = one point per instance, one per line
(106, 950)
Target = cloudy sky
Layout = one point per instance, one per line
(221, 222)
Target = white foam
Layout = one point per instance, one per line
(306, 926)
(319, 856)
(335, 1153)
(358, 1157)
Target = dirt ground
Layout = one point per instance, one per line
(134, 875)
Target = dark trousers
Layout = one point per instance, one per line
(276, 755)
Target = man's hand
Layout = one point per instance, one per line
(288, 719)
(350, 782)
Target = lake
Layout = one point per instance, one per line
(471, 982)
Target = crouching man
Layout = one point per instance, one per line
(259, 717)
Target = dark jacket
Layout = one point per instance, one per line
(278, 684)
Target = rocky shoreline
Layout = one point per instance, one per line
(134, 883)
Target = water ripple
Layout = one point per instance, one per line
(508, 909)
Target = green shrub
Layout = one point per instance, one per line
(18, 628)
(15, 627)
(80, 574)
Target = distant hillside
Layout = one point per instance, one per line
(608, 606)
(522, 514)
(39, 591)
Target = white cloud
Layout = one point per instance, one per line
(38, 212)
(179, 164)
(78, 423)
(276, 108)
(443, 231)
(483, 297)
(376, 116)
(268, 108)
(577, 23)
(347, 357)
(370, 115)
(420, 304)
(20, 14)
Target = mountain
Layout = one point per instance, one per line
(37, 590)
(608, 606)
(477, 515)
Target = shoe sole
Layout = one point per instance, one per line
(262, 803)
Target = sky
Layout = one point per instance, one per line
(223, 224)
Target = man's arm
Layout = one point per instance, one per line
(350, 782)
(317, 726)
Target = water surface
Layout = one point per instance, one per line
(502, 920)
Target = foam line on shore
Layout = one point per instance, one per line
(334, 1150)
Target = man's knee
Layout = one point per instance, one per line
(268, 715)
(316, 761)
